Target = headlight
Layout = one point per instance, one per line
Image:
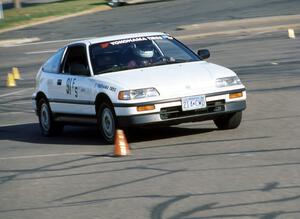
(228, 81)
(138, 94)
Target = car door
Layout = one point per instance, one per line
(51, 72)
(73, 84)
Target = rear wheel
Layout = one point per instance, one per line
(229, 121)
(47, 124)
(107, 122)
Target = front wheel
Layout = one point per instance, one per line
(107, 122)
(47, 124)
(229, 121)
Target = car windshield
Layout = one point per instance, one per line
(138, 52)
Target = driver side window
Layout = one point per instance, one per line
(75, 62)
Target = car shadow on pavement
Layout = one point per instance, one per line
(88, 135)
(30, 133)
(157, 133)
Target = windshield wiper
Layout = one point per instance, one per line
(169, 60)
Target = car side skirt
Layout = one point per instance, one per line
(75, 119)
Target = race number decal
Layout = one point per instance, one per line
(71, 87)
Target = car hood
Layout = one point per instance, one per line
(173, 80)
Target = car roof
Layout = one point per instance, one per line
(117, 37)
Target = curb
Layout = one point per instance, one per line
(245, 22)
(50, 19)
(258, 30)
(236, 27)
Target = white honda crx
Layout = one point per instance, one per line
(135, 80)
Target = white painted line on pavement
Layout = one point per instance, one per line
(15, 113)
(15, 92)
(17, 103)
(14, 124)
(45, 155)
(40, 52)
(17, 42)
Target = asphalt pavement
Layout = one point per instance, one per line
(189, 171)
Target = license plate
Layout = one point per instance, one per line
(193, 103)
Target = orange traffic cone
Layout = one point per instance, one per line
(121, 144)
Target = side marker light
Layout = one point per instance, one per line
(235, 95)
(145, 108)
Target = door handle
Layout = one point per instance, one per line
(59, 81)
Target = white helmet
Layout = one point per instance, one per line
(143, 50)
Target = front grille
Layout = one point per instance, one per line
(176, 111)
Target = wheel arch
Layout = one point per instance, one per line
(102, 98)
(40, 95)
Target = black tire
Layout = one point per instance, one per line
(107, 122)
(229, 121)
(47, 124)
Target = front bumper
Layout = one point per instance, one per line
(174, 115)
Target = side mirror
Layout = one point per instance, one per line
(203, 53)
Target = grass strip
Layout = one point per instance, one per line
(43, 11)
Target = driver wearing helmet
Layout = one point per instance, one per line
(142, 54)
